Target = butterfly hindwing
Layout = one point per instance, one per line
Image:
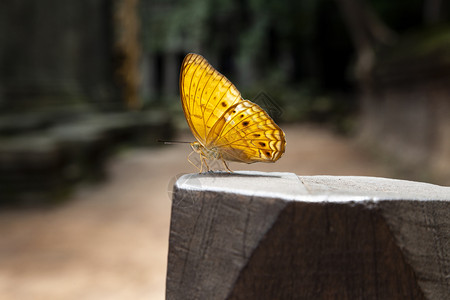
(250, 135)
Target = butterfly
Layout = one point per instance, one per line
(227, 127)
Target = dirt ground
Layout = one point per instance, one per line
(110, 240)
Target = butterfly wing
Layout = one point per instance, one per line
(249, 135)
(205, 96)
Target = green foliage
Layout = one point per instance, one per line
(429, 42)
(400, 15)
(297, 51)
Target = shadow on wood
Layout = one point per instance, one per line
(252, 235)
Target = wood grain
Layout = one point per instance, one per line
(316, 237)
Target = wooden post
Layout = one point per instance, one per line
(253, 235)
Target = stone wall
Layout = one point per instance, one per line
(406, 109)
(55, 52)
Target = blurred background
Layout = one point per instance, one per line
(361, 87)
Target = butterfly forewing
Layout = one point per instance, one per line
(206, 95)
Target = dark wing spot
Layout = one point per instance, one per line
(267, 153)
(245, 123)
(234, 111)
(242, 116)
(262, 144)
(256, 135)
(224, 104)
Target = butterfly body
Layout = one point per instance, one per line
(226, 126)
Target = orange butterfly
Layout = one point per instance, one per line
(226, 126)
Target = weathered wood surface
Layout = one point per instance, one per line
(252, 235)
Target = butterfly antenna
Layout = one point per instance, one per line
(172, 142)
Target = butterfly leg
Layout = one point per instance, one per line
(200, 170)
(204, 161)
(225, 164)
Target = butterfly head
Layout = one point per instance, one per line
(205, 152)
(197, 147)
